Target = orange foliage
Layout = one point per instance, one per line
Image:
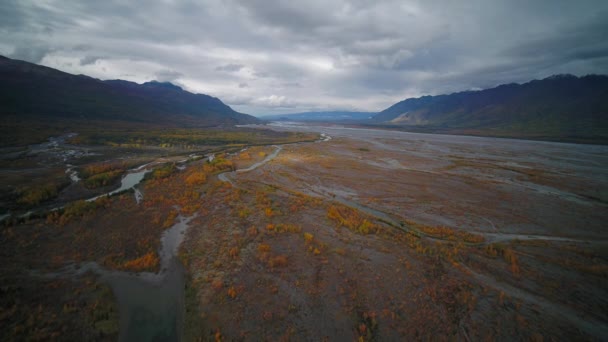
(269, 212)
(148, 261)
(263, 248)
(196, 178)
(232, 292)
(234, 252)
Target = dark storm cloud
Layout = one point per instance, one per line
(272, 56)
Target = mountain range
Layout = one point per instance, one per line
(560, 107)
(33, 92)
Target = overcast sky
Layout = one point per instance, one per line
(268, 57)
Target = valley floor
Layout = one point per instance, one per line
(365, 234)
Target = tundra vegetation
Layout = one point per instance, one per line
(319, 242)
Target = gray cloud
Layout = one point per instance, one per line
(277, 56)
(230, 67)
(34, 54)
(168, 75)
(86, 60)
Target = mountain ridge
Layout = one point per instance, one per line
(560, 106)
(35, 91)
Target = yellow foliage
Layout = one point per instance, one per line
(170, 220)
(196, 178)
(308, 237)
(351, 219)
(269, 212)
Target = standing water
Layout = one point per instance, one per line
(151, 305)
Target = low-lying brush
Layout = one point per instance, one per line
(351, 219)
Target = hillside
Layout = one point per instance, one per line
(562, 107)
(32, 92)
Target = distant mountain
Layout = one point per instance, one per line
(332, 116)
(30, 91)
(561, 107)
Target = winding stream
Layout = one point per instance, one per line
(224, 175)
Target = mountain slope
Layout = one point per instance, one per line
(37, 92)
(562, 107)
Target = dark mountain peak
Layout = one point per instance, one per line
(165, 85)
(122, 83)
(561, 77)
(42, 93)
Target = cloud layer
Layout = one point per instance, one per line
(267, 57)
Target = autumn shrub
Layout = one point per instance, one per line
(272, 228)
(252, 231)
(35, 195)
(170, 220)
(452, 234)
(269, 212)
(308, 237)
(98, 168)
(234, 252)
(102, 179)
(277, 261)
(511, 259)
(263, 248)
(75, 209)
(196, 178)
(164, 171)
(244, 212)
(494, 249)
(262, 200)
(351, 219)
(147, 262)
(219, 163)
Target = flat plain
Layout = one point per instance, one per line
(362, 234)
